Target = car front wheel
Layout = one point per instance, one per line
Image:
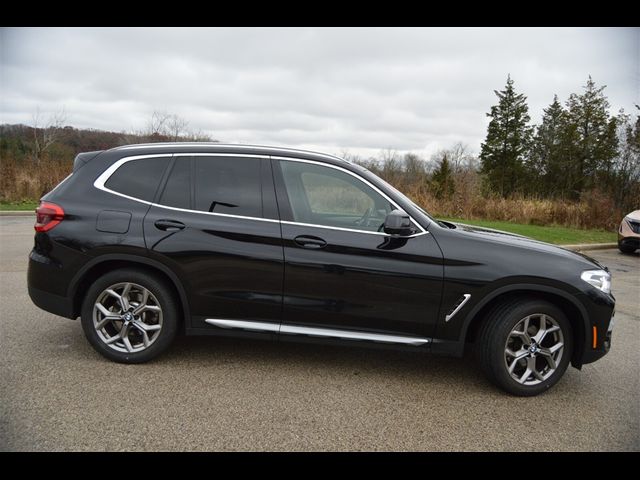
(526, 346)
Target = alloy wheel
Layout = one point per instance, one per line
(534, 349)
(127, 317)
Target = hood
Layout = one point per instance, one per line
(519, 241)
(635, 216)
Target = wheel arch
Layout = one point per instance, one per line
(106, 263)
(575, 313)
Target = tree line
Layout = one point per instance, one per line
(578, 148)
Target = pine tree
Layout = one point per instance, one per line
(442, 182)
(547, 163)
(508, 140)
(593, 137)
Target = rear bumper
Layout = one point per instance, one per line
(47, 285)
(55, 304)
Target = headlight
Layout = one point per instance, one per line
(598, 278)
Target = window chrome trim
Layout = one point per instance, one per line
(315, 332)
(457, 309)
(99, 183)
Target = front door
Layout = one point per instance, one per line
(341, 271)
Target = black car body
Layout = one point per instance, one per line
(247, 242)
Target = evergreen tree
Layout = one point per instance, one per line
(593, 138)
(508, 139)
(442, 182)
(547, 164)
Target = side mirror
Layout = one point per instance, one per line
(397, 223)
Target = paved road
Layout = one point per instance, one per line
(56, 393)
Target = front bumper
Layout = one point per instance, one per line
(600, 328)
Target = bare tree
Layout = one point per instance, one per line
(177, 127)
(163, 126)
(46, 131)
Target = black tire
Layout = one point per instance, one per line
(626, 248)
(165, 299)
(499, 324)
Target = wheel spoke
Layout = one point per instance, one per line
(542, 330)
(109, 318)
(124, 302)
(148, 308)
(523, 378)
(145, 327)
(143, 303)
(127, 344)
(104, 310)
(113, 339)
(550, 352)
(551, 361)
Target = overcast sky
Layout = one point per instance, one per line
(358, 90)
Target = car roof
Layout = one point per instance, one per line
(213, 147)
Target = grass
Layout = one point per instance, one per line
(549, 234)
(24, 205)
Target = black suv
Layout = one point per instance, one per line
(145, 241)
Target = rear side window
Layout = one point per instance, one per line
(138, 178)
(177, 191)
(229, 185)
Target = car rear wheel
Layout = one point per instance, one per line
(129, 316)
(525, 346)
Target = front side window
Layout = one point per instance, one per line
(138, 178)
(229, 185)
(326, 196)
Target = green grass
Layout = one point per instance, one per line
(25, 205)
(550, 234)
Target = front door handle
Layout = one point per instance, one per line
(309, 241)
(169, 225)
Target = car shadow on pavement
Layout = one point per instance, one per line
(327, 360)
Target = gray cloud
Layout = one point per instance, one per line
(357, 89)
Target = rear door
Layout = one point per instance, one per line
(215, 224)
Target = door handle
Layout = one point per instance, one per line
(308, 241)
(169, 225)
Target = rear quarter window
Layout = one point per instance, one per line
(138, 178)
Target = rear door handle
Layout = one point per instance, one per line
(308, 241)
(169, 225)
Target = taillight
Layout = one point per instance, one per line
(48, 215)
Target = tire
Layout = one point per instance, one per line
(151, 319)
(626, 248)
(504, 331)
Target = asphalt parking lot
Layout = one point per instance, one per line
(56, 393)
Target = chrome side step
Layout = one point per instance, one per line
(316, 332)
(243, 325)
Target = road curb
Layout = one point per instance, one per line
(590, 246)
(17, 213)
